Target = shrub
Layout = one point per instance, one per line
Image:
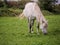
(9, 12)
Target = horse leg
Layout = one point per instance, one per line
(38, 28)
(30, 23)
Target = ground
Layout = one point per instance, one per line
(14, 31)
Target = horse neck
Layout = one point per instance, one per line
(42, 19)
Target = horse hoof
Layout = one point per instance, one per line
(38, 34)
(32, 32)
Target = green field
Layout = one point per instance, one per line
(14, 31)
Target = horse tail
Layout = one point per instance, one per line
(21, 16)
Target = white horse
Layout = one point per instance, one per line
(32, 12)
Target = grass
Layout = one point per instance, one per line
(14, 31)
